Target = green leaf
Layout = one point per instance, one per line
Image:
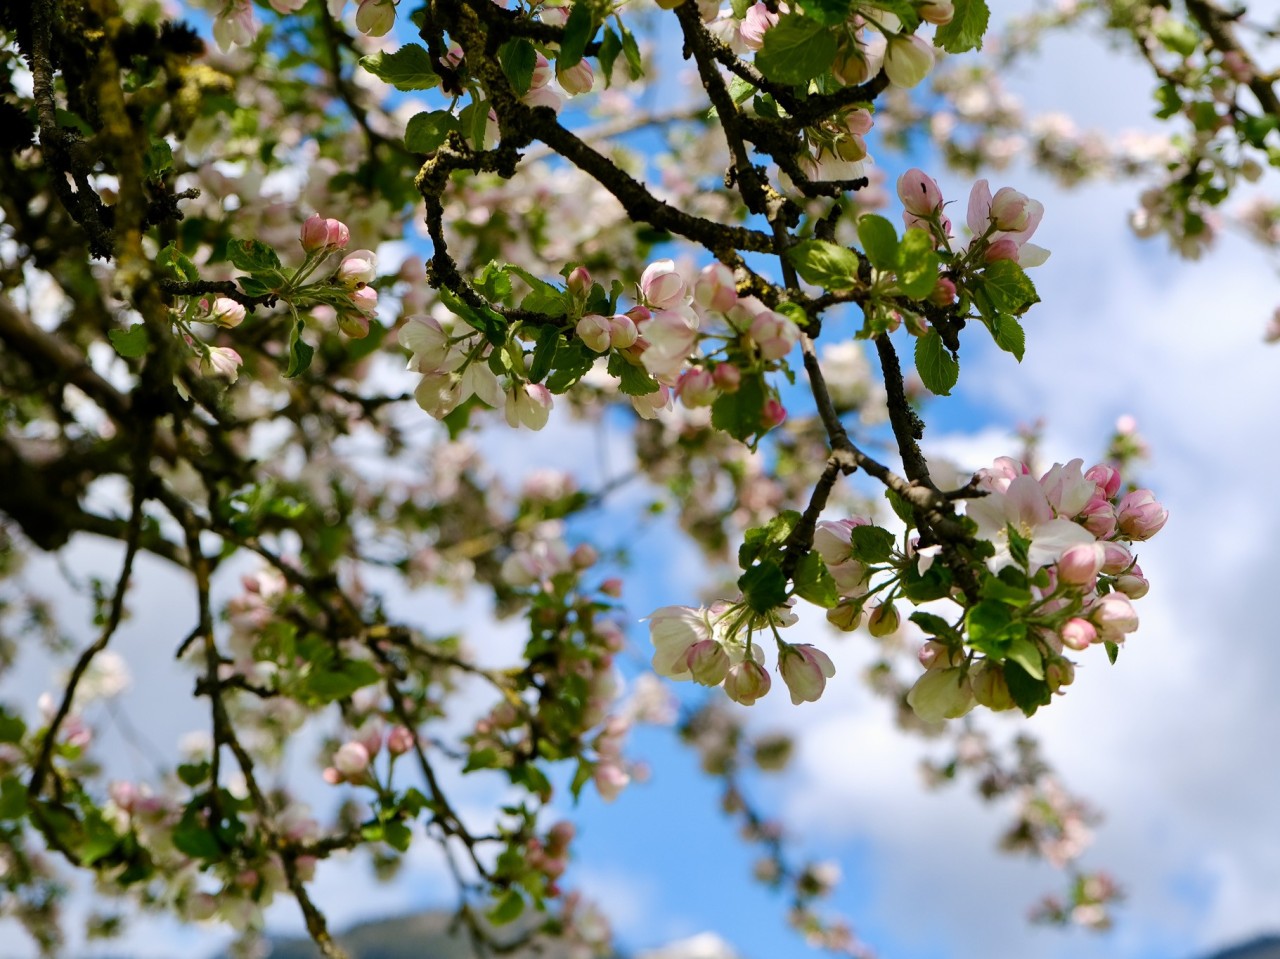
(177, 263)
(1008, 334)
(996, 588)
(1028, 692)
(631, 50)
(409, 68)
(545, 297)
(397, 835)
(252, 256)
(901, 508)
(966, 29)
(1009, 287)
(935, 626)
(610, 47)
(1023, 652)
(486, 758)
(763, 587)
(572, 362)
(508, 908)
(992, 626)
(935, 584)
(426, 132)
(871, 544)
(758, 540)
(917, 264)
(329, 684)
(1170, 101)
(1113, 650)
(193, 837)
(824, 264)
(740, 414)
(830, 13)
(12, 728)
(487, 322)
(879, 240)
(158, 158)
(796, 50)
(740, 8)
(300, 352)
(1177, 36)
(130, 343)
(543, 353)
(193, 774)
(518, 59)
(578, 31)
(812, 582)
(13, 798)
(634, 380)
(938, 369)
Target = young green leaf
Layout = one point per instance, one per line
(518, 59)
(824, 264)
(879, 241)
(252, 256)
(408, 68)
(130, 343)
(917, 264)
(796, 49)
(300, 353)
(938, 369)
(578, 31)
(813, 582)
(425, 132)
(966, 29)
(1008, 287)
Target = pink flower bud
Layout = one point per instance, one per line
(773, 413)
(528, 405)
(224, 362)
(944, 292)
(1078, 634)
(708, 662)
(1059, 672)
(774, 334)
(1117, 559)
(358, 267)
(351, 760)
(356, 324)
(610, 779)
(584, 556)
(715, 288)
(1139, 515)
(1133, 584)
(805, 669)
(320, 234)
(727, 376)
(578, 79)
(560, 835)
(937, 12)
(366, 301)
(1011, 210)
(1001, 248)
(696, 387)
(1107, 478)
(919, 193)
(907, 60)
(556, 16)
(661, 286)
(622, 330)
(578, 283)
(884, 620)
(1099, 517)
(595, 331)
(226, 313)
(542, 72)
(612, 587)
(400, 740)
(746, 682)
(1114, 616)
(845, 616)
(1079, 565)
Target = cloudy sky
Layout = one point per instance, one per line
(1176, 743)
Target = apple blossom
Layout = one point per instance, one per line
(528, 405)
(226, 313)
(1139, 515)
(324, 235)
(746, 682)
(907, 60)
(757, 22)
(805, 669)
(224, 362)
(661, 286)
(375, 18)
(1078, 633)
(941, 694)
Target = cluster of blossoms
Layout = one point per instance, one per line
(1000, 225)
(234, 24)
(1067, 536)
(713, 647)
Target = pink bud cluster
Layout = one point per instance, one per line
(712, 646)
